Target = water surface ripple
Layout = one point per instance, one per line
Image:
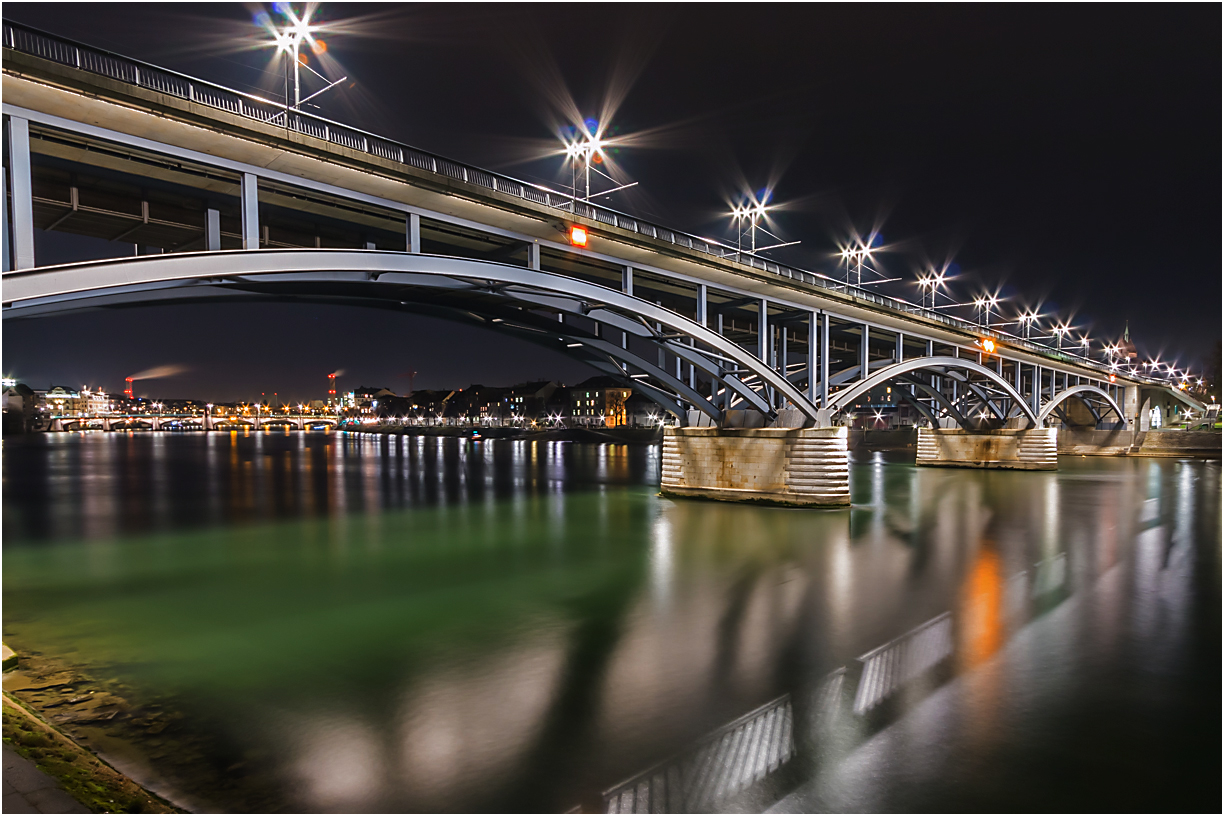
(346, 622)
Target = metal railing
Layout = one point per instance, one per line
(27, 40)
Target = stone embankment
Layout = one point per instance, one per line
(619, 436)
(1172, 444)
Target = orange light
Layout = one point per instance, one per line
(1113, 377)
(578, 236)
(988, 345)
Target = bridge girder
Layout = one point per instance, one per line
(56, 288)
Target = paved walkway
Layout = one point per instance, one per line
(29, 790)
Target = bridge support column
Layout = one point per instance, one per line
(1006, 449)
(806, 467)
(21, 228)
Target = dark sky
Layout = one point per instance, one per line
(1069, 155)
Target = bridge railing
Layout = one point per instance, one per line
(27, 40)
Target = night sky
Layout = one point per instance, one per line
(1066, 156)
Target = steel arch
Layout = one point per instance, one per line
(842, 398)
(44, 289)
(1077, 391)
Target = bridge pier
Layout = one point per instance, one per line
(1003, 449)
(806, 467)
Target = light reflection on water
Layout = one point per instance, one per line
(440, 624)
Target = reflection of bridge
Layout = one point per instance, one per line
(238, 205)
(160, 422)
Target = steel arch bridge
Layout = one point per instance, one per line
(1098, 403)
(248, 202)
(588, 321)
(585, 320)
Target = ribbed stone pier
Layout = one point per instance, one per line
(1008, 449)
(793, 466)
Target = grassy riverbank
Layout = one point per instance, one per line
(81, 727)
(89, 780)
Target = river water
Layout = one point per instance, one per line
(343, 622)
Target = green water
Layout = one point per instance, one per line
(360, 623)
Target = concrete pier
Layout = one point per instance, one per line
(791, 466)
(1008, 449)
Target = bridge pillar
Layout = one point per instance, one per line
(806, 467)
(1004, 449)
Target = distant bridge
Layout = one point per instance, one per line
(159, 422)
(222, 197)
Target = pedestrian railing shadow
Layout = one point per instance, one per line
(750, 763)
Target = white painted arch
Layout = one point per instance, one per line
(41, 290)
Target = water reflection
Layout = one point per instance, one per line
(431, 624)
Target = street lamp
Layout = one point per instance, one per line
(1059, 332)
(288, 41)
(932, 281)
(856, 255)
(984, 304)
(590, 148)
(747, 218)
(1027, 319)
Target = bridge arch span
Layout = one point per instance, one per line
(496, 295)
(957, 368)
(1086, 394)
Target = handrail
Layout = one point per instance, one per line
(28, 40)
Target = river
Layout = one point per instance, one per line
(347, 622)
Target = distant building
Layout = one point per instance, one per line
(882, 408)
(642, 412)
(428, 407)
(99, 402)
(527, 402)
(1127, 351)
(63, 401)
(365, 400)
(599, 401)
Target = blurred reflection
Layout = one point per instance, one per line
(445, 624)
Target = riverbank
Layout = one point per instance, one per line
(615, 436)
(92, 782)
(115, 748)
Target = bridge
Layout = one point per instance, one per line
(165, 421)
(213, 195)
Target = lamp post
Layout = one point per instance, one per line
(747, 218)
(1059, 331)
(1027, 319)
(855, 256)
(590, 148)
(984, 304)
(288, 41)
(925, 282)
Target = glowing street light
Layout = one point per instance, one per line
(1061, 331)
(591, 148)
(288, 41)
(1027, 319)
(984, 304)
(932, 281)
(856, 255)
(747, 218)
